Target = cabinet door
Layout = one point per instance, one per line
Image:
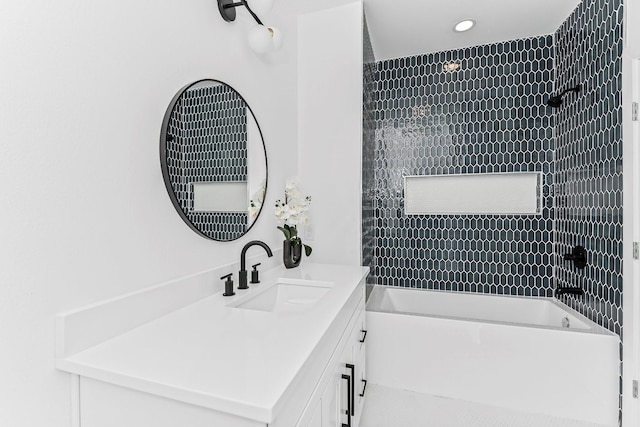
(312, 415)
(333, 413)
(336, 398)
(348, 397)
(316, 418)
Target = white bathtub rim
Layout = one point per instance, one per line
(594, 328)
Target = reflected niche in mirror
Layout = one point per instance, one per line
(214, 161)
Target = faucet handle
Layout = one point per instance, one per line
(578, 255)
(228, 285)
(254, 274)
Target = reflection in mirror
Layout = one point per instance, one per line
(213, 160)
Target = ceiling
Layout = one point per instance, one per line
(400, 28)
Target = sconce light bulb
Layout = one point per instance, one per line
(276, 37)
(264, 39)
(260, 7)
(260, 39)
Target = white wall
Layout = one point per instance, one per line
(632, 30)
(85, 215)
(330, 129)
(631, 301)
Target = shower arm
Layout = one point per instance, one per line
(573, 89)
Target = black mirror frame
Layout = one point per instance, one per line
(165, 167)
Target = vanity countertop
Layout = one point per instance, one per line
(234, 360)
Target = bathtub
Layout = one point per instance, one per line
(528, 354)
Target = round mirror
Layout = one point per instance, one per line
(214, 161)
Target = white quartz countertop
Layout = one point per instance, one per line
(234, 360)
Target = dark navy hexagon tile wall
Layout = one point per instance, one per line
(475, 110)
(589, 158)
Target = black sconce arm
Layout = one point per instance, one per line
(244, 2)
(227, 5)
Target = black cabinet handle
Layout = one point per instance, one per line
(353, 387)
(364, 337)
(364, 388)
(349, 391)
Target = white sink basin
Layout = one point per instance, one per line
(285, 295)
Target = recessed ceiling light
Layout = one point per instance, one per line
(465, 25)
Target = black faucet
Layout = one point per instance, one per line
(243, 264)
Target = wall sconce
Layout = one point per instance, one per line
(262, 39)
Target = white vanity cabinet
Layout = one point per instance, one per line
(339, 396)
(210, 364)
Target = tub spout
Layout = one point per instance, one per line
(569, 291)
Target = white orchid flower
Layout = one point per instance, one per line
(253, 212)
(292, 212)
(292, 183)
